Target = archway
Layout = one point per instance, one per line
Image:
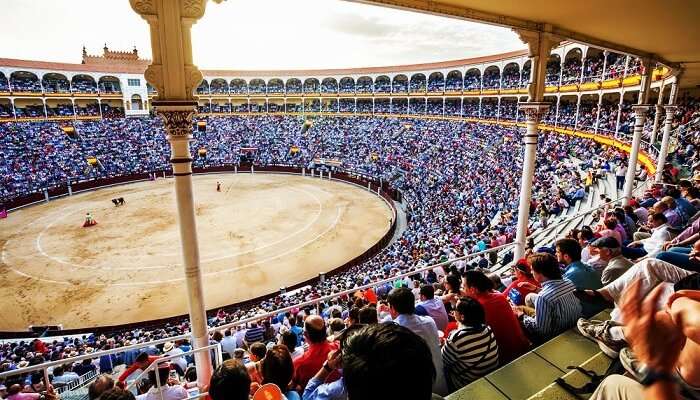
(136, 102)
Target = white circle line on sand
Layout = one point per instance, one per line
(40, 248)
(238, 268)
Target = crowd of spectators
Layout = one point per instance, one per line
(457, 181)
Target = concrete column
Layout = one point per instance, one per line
(533, 113)
(597, 116)
(640, 115)
(578, 108)
(605, 65)
(657, 117)
(46, 195)
(666, 138)
(70, 188)
(619, 113)
(177, 118)
(539, 46)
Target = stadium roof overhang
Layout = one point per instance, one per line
(667, 31)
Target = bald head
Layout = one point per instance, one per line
(660, 207)
(669, 201)
(315, 329)
(99, 386)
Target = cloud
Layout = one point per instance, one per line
(257, 34)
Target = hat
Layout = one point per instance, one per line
(23, 363)
(3, 387)
(607, 242)
(523, 266)
(545, 249)
(696, 177)
(168, 346)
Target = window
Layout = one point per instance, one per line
(134, 82)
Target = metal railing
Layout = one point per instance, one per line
(218, 359)
(241, 322)
(544, 231)
(76, 384)
(44, 367)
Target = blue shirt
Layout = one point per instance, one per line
(582, 275)
(317, 390)
(425, 328)
(556, 309)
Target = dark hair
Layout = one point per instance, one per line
(163, 372)
(368, 315)
(402, 300)
(478, 280)
(315, 335)
(610, 223)
(336, 325)
(258, 350)
(100, 385)
(142, 357)
(58, 370)
(428, 291)
(545, 264)
(659, 217)
(673, 192)
(191, 373)
(290, 340)
(693, 192)
(387, 353)
(230, 381)
(117, 394)
(570, 247)
(354, 314)
(452, 282)
(472, 311)
(277, 367)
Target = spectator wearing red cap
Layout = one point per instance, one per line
(517, 290)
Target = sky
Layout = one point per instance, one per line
(253, 34)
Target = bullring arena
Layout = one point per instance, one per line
(259, 233)
(261, 197)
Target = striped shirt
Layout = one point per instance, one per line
(469, 353)
(255, 334)
(556, 309)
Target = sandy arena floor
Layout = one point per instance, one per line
(261, 232)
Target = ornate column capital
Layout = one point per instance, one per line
(534, 110)
(536, 41)
(641, 109)
(669, 108)
(171, 72)
(177, 118)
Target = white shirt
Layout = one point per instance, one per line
(175, 392)
(621, 170)
(228, 344)
(180, 361)
(654, 244)
(240, 335)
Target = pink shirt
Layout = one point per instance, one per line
(24, 396)
(611, 233)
